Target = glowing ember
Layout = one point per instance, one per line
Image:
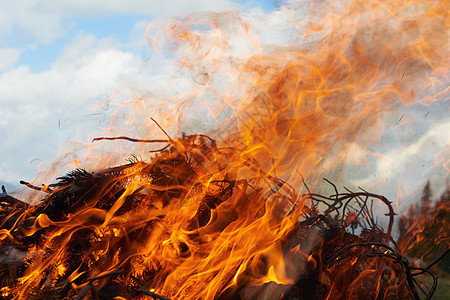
(204, 218)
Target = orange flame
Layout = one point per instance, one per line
(277, 114)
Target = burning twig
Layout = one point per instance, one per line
(5, 198)
(151, 294)
(91, 287)
(126, 217)
(44, 188)
(129, 139)
(162, 129)
(389, 253)
(342, 200)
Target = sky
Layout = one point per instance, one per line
(59, 59)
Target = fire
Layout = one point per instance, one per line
(204, 218)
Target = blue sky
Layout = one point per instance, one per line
(58, 59)
(39, 57)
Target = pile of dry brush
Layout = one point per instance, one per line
(354, 258)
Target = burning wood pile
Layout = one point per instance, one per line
(188, 225)
(225, 219)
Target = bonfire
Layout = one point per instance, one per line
(237, 212)
(175, 224)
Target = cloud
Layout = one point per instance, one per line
(8, 57)
(33, 105)
(40, 111)
(44, 21)
(408, 166)
(150, 8)
(26, 20)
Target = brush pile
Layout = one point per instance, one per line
(199, 222)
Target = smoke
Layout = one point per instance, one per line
(315, 89)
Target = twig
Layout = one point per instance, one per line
(433, 263)
(159, 150)
(333, 185)
(170, 139)
(91, 287)
(435, 281)
(151, 294)
(304, 183)
(347, 248)
(44, 188)
(14, 202)
(341, 200)
(393, 255)
(128, 139)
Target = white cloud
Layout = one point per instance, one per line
(33, 104)
(150, 8)
(408, 166)
(30, 19)
(8, 57)
(42, 20)
(40, 111)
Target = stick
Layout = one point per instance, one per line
(128, 139)
(151, 294)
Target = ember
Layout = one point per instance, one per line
(230, 214)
